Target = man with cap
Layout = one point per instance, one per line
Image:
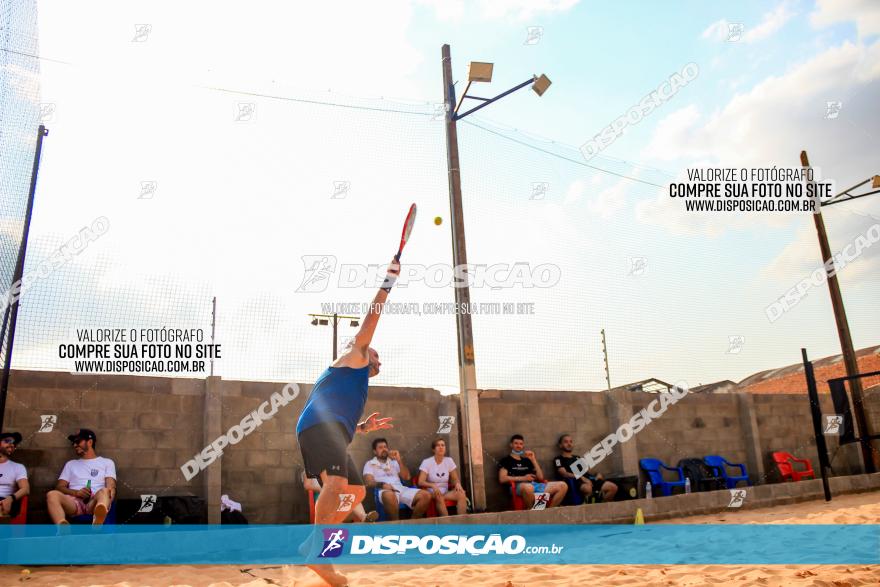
(87, 485)
(13, 476)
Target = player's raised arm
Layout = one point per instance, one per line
(368, 327)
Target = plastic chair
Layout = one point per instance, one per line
(312, 498)
(88, 518)
(21, 517)
(783, 462)
(702, 476)
(719, 465)
(380, 507)
(653, 468)
(431, 512)
(518, 504)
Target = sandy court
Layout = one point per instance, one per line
(851, 509)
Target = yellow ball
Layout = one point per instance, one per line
(25, 572)
(438, 220)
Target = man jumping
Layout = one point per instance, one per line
(331, 418)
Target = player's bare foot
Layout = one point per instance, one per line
(371, 516)
(329, 576)
(99, 515)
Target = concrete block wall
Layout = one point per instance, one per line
(151, 426)
(145, 424)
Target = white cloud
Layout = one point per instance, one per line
(611, 200)
(575, 191)
(770, 23)
(523, 10)
(865, 13)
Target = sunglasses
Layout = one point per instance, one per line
(7, 440)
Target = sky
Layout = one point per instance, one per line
(152, 94)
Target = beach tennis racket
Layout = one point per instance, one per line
(407, 229)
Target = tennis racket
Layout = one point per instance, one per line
(407, 229)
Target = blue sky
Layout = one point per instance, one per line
(239, 203)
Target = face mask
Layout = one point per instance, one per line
(519, 452)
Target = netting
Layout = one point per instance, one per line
(282, 202)
(20, 117)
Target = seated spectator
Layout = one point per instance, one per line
(589, 482)
(385, 471)
(439, 475)
(358, 514)
(521, 466)
(87, 485)
(13, 476)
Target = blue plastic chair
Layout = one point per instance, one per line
(653, 468)
(574, 495)
(87, 518)
(720, 464)
(380, 507)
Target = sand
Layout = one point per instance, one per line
(851, 509)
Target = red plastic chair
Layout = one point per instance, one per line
(517, 500)
(311, 506)
(432, 508)
(784, 462)
(21, 518)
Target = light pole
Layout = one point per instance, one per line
(469, 396)
(324, 320)
(843, 333)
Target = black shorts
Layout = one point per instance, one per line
(324, 447)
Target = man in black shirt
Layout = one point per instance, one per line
(589, 482)
(521, 467)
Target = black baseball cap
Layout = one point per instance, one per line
(82, 434)
(15, 436)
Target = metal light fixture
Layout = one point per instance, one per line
(876, 182)
(354, 324)
(323, 322)
(314, 321)
(541, 84)
(479, 71)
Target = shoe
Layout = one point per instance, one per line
(371, 516)
(99, 515)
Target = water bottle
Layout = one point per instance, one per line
(648, 490)
(687, 484)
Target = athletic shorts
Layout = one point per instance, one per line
(444, 489)
(324, 447)
(82, 508)
(537, 486)
(405, 495)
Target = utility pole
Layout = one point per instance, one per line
(605, 354)
(469, 396)
(843, 333)
(213, 328)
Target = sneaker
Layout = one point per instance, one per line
(371, 516)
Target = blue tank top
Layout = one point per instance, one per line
(339, 395)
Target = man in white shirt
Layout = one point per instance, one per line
(13, 476)
(86, 485)
(385, 471)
